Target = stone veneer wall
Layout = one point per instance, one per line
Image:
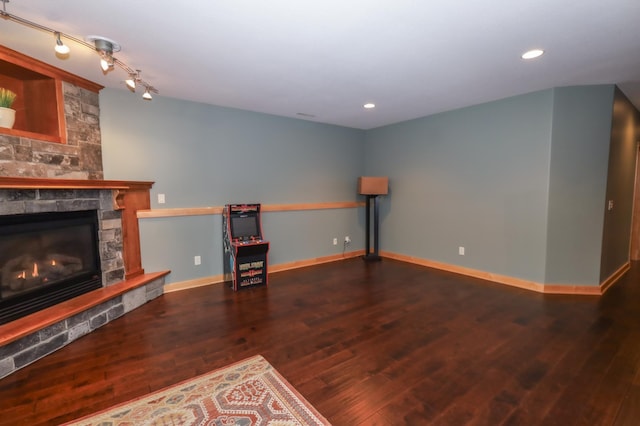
(30, 348)
(79, 158)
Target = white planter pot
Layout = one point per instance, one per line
(7, 117)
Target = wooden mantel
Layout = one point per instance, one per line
(128, 196)
(50, 183)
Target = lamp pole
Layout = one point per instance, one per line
(368, 256)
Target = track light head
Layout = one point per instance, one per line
(106, 62)
(134, 78)
(60, 47)
(131, 82)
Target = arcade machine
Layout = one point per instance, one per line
(245, 253)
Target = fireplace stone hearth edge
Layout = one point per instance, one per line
(109, 198)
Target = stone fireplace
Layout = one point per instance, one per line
(51, 165)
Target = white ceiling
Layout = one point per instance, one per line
(327, 58)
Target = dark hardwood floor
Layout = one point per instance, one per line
(383, 343)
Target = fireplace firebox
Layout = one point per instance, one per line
(45, 259)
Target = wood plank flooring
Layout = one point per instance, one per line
(385, 343)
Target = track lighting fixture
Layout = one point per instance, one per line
(103, 46)
(134, 77)
(61, 48)
(132, 83)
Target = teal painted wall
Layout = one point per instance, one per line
(521, 183)
(196, 153)
(579, 159)
(477, 177)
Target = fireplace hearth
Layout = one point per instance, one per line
(46, 258)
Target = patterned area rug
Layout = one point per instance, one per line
(247, 393)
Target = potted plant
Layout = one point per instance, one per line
(7, 115)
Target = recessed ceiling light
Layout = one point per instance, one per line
(532, 54)
(369, 105)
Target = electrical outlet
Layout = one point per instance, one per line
(461, 251)
(161, 199)
(347, 239)
(197, 260)
(335, 241)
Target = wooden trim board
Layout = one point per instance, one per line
(585, 290)
(606, 284)
(315, 261)
(195, 283)
(199, 211)
(489, 276)
(217, 279)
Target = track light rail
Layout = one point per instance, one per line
(101, 45)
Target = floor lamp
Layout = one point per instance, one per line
(372, 187)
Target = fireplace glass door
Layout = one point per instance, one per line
(46, 258)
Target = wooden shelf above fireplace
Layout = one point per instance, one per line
(39, 104)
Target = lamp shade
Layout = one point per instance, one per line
(372, 185)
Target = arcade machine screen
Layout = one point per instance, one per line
(244, 227)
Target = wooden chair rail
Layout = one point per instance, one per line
(199, 211)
